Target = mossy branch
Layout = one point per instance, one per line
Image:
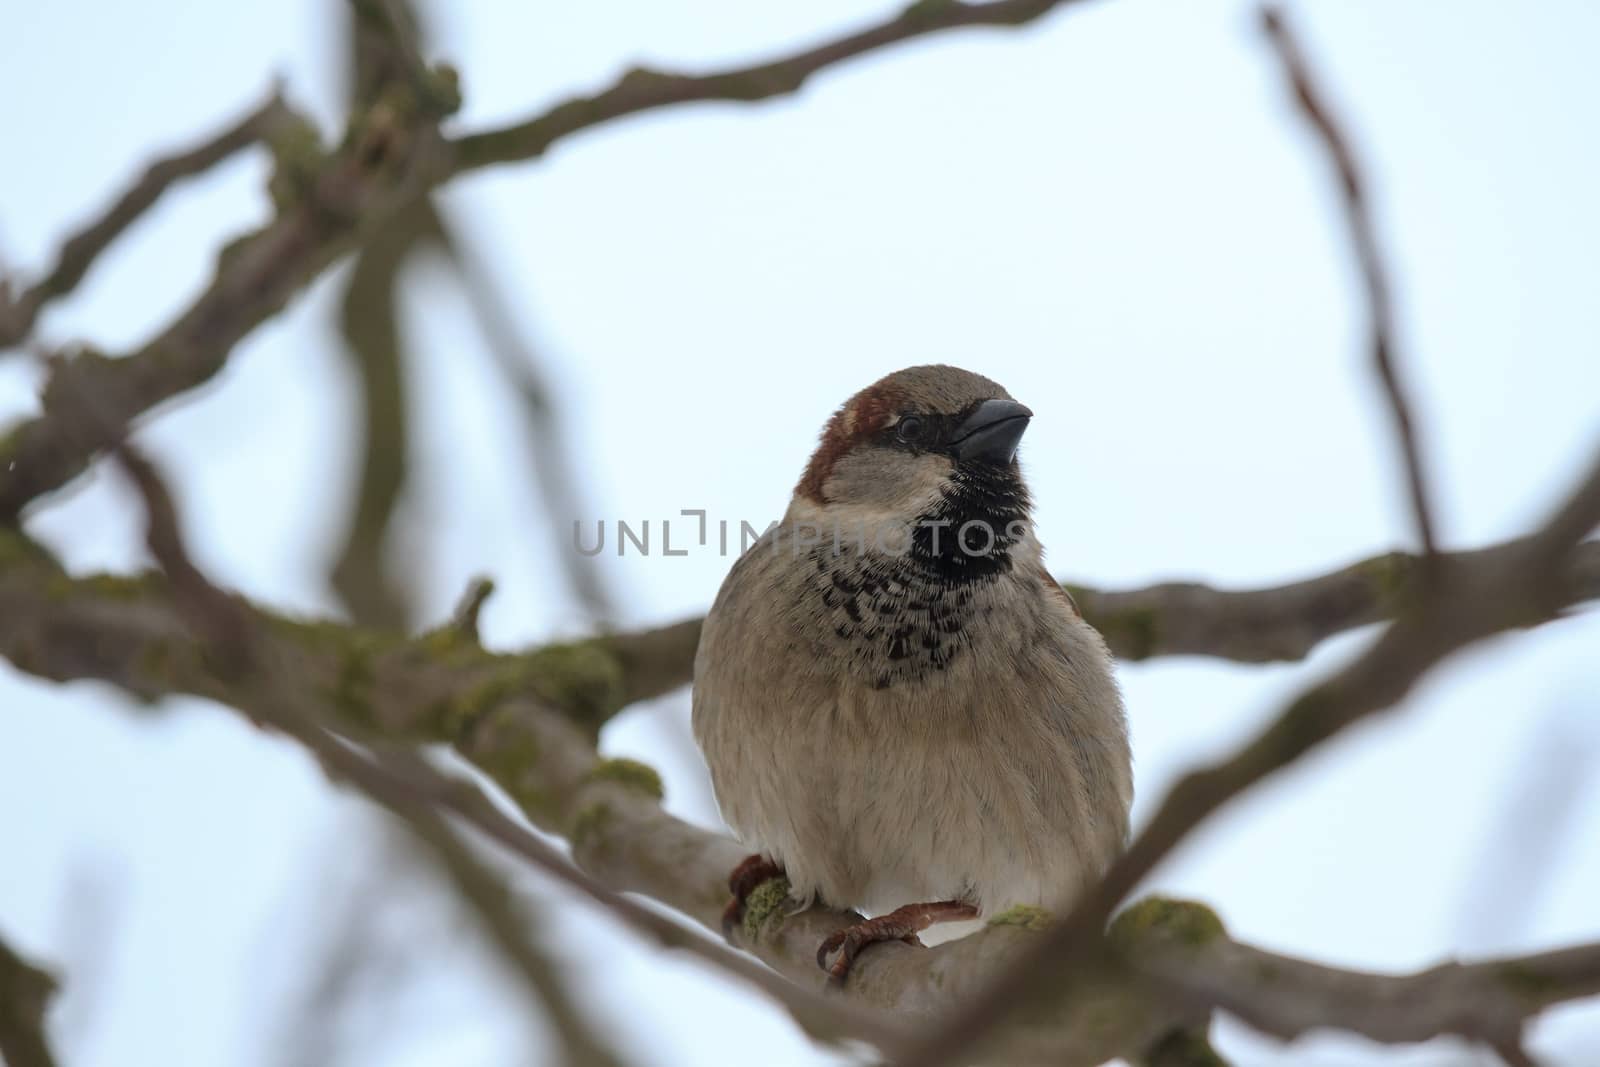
(1286, 622)
(527, 720)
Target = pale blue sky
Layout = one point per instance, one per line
(1114, 212)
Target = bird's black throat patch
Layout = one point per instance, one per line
(967, 535)
(902, 617)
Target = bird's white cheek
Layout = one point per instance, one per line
(884, 528)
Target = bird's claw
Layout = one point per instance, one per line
(901, 924)
(852, 939)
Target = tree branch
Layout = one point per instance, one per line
(646, 90)
(392, 153)
(1286, 622)
(372, 592)
(25, 993)
(1287, 998)
(1171, 963)
(78, 254)
(1364, 239)
(507, 930)
(523, 379)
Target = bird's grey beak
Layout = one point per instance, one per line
(992, 432)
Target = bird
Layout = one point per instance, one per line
(901, 711)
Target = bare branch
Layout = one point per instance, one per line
(381, 359)
(1364, 238)
(1286, 622)
(507, 930)
(385, 57)
(549, 453)
(370, 591)
(465, 619)
(1286, 997)
(392, 154)
(386, 40)
(80, 251)
(325, 205)
(25, 994)
(646, 90)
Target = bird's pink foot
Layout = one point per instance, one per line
(751, 872)
(902, 924)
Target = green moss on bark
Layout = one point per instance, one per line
(765, 900)
(590, 823)
(1180, 921)
(1026, 916)
(628, 772)
(510, 756)
(583, 679)
(1183, 1048)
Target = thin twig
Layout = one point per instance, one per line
(549, 452)
(25, 995)
(1364, 239)
(388, 43)
(646, 90)
(373, 593)
(387, 162)
(385, 41)
(507, 930)
(83, 248)
(465, 618)
(383, 164)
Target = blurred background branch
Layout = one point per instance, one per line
(25, 995)
(392, 154)
(642, 89)
(1364, 242)
(269, 123)
(387, 43)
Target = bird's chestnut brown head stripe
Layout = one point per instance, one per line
(859, 420)
(932, 447)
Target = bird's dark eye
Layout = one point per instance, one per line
(909, 428)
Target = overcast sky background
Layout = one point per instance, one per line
(1114, 212)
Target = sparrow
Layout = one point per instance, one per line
(901, 711)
